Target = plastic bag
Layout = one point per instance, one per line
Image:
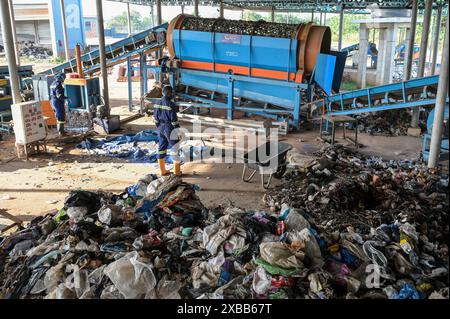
(295, 221)
(261, 281)
(80, 198)
(166, 289)
(111, 292)
(132, 277)
(278, 254)
(312, 249)
(77, 213)
(110, 215)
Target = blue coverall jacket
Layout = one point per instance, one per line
(57, 101)
(166, 120)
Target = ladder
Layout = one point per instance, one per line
(146, 41)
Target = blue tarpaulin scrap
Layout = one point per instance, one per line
(141, 147)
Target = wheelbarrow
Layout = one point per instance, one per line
(269, 159)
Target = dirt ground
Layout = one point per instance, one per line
(33, 187)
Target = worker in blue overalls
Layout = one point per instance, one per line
(57, 99)
(166, 120)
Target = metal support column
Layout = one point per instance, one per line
(14, 33)
(101, 49)
(437, 31)
(341, 27)
(221, 9)
(129, 19)
(158, 12)
(423, 53)
(441, 97)
(130, 83)
(412, 35)
(64, 29)
(362, 61)
(8, 43)
(320, 18)
(424, 39)
(272, 14)
(312, 15)
(196, 8)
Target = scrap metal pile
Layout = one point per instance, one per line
(332, 227)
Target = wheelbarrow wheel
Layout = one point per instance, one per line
(280, 172)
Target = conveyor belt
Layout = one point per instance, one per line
(149, 40)
(407, 94)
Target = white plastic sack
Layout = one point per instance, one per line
(261, 281)
(131, 276)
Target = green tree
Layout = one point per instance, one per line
(138, 22)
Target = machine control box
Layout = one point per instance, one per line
(29, 124)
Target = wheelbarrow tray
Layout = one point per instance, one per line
(262, 159)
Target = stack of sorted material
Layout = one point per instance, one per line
(343, 226)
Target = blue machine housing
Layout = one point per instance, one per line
(264, 70)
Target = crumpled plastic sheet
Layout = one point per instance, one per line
(131, 276)
(141, 147)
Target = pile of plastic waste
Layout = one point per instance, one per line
(341, 227)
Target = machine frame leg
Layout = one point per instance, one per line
(130, 84)
(230, 99)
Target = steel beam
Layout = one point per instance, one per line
(8, 43)
(102, 54)
(437, 31)
(423, 52)
(412, 35)
(64, 29)
(441, 101)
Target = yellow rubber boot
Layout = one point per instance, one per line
(177, 168)
(162, 166)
